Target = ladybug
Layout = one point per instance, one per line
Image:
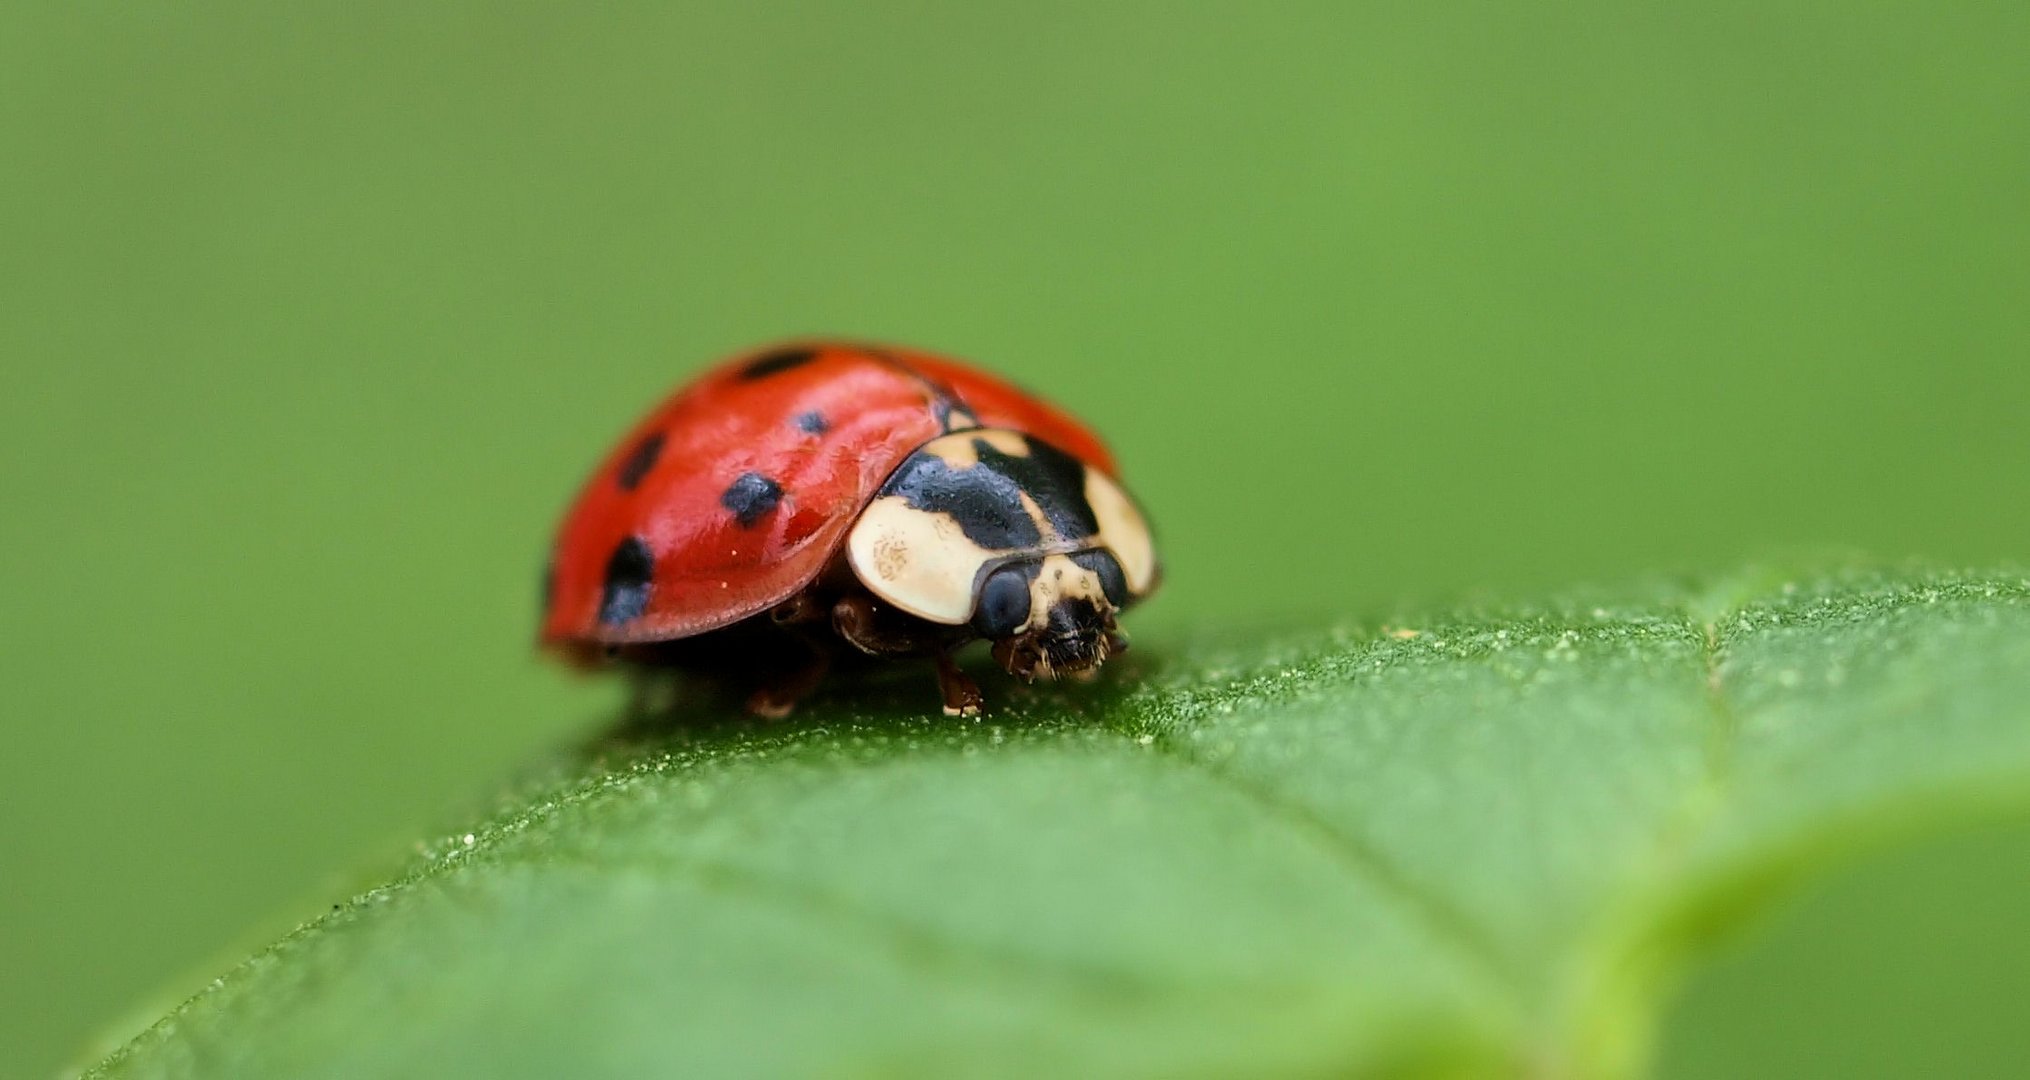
(824, 502)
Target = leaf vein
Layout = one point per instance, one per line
(1445, 923)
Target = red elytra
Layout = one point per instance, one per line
(799, 437)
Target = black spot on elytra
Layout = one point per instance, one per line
(639, 461)
(812, 423)
(761, 367)
(751, 498)
(630, 574)
(986, 499)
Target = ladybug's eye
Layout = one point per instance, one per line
(1004, 602)
(1103, 566)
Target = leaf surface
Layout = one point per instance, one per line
(1484, 844)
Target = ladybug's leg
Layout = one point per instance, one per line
(855, 619)
(779, 698)
(961, 693)
(798, 610)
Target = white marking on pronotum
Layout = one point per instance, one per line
(1122, 530)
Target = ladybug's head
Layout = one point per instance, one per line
(1054, 616)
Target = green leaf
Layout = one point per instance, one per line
(1481, 845)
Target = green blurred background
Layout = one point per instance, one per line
(313, 314)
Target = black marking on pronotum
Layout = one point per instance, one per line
(639, 461)
(986, 503)
(986, 499)
(630, 574)
(750, 498)
(761, 367)
(1055, 479)
(812, 423)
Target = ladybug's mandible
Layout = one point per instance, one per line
(821, 495)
